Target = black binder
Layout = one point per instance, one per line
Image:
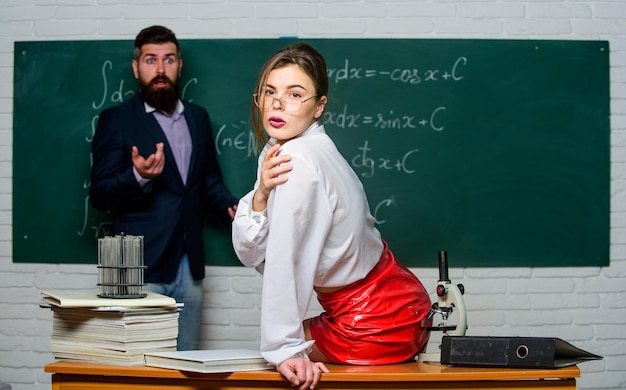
(520, 352)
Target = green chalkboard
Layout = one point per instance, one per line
(496, 151)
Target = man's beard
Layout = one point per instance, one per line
(162, 99)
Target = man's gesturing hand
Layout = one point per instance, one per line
(150, 167)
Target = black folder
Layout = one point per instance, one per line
(519, 352)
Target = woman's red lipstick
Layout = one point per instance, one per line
(276, 121)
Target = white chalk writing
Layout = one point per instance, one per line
(406, 75)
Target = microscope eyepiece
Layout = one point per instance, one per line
(443, 266)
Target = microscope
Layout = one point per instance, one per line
(449, 299)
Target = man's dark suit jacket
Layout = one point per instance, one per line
(168, 213)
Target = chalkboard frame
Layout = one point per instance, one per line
(550, 155)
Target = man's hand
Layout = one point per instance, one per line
(150, 167)
(232, 211)
(302, 373)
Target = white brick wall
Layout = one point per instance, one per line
(586, 306)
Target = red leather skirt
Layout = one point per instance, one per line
(380, 319)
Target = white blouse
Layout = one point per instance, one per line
(317, 230)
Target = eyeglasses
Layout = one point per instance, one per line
(290, 102)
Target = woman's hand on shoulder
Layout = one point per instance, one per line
(302, 373)
(273, 168)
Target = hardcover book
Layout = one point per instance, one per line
(209, 360)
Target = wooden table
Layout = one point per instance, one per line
(73, 375)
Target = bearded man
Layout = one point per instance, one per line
(155, 170)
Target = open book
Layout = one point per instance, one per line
(208, 361)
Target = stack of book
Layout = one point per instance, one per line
(111, 331)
